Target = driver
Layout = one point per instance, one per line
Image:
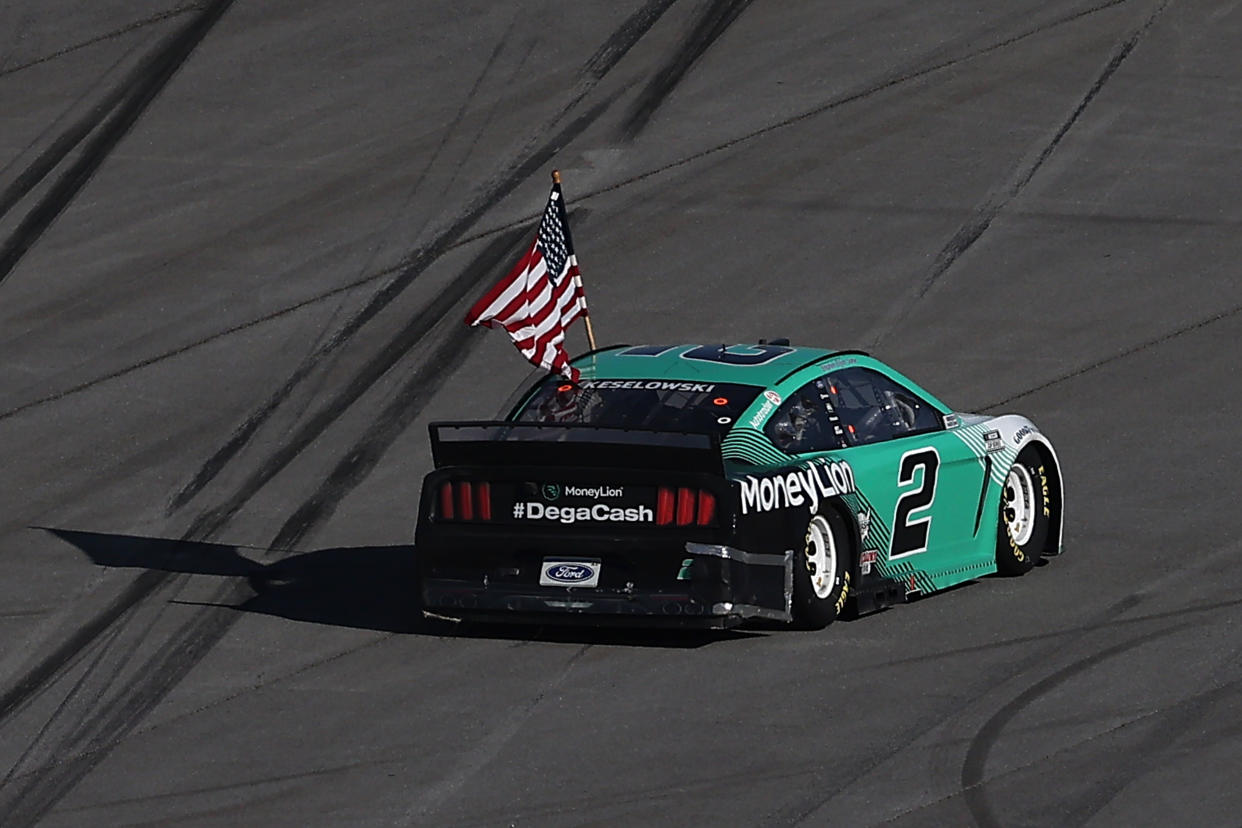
(798, 426)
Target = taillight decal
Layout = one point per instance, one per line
(465, 500)
(664, 506)
(483, 495)
(685, 506)
(446, 501)
(707, 508)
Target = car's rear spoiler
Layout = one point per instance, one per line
(539, 444)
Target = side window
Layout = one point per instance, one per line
(804, 422)
(873, 408)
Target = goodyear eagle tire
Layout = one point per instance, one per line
(821, 572)
(1025, 514)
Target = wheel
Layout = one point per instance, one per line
(821, 577)
(1025, 513)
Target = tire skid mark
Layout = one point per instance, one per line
(197, 636)
(211, 520)
(101, 731)
(714, 21)
(1198, 700)
(1168, 725)
(602, 805)
(359, 282)
(65, 654)
(189, 346)
(409, 401)
(70, 137)
(107, 641)
(233, 814)
(189, 644)
(533, 157)
(128, 105)
(985, 214)
(277, 779)
(1022, 641)
(1106, 617)
(616, 46)
(75, 133)
(16, 28)
(474, 760)
(263, 685)
(807, 814)
(104, 729)
(610, 52)
(158, 17)
(889, 82)
(461, 114)
(1128, 352)
(974, 766)
(365, 454)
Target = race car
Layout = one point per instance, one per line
(705, 485)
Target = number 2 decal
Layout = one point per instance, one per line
(910, 536)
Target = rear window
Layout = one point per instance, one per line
(663, 405)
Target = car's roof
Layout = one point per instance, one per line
(699, 363)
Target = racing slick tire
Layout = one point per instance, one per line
(1025, 515)
(821, 572)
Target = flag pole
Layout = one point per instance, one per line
(586, 314)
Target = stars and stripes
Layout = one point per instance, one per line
(541, 296)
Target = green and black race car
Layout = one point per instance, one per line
(707, 484)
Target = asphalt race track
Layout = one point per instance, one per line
(237, 240)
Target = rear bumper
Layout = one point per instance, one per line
(689, 584)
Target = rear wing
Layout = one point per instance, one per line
(502, 443)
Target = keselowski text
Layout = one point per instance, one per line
(651, 385)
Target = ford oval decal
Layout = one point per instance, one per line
(563, 573)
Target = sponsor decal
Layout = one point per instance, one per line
(1017, 550)
(594, 491)
(554, 491)
(761, 414)
(683, 574)
(1043, 484)
(992, 441)
(864, 525)
(834, 364)
(599, 513)
(772, 397)
(569, 573)
(804, 487)
(1022, 433)
(651, 385)
(866, 559)
(845, 593)
(952, 421)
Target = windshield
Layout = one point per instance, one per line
(652, 404)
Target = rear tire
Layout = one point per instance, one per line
(821, 576)
(1025, 515)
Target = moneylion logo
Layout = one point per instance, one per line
(551, 491)
(817, 480)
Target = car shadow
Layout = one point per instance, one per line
(365, 587)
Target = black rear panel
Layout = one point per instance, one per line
(618, 502)
(540, 444)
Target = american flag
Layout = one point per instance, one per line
(541, 296)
